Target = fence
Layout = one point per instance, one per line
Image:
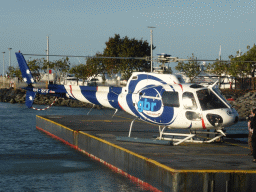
(245, 83)
(6, 82)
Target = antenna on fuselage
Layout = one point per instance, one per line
(214, 84)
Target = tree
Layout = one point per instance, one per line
(242, 65)
(219, 67)
(80, 71)
(92, 68)
(35, 67)
(125, 47)
(96, 65)
(190, 68)
(83, 71)
(61, 65)
(14, 72)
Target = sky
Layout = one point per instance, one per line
(81, 27)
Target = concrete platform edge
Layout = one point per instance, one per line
(147, 172)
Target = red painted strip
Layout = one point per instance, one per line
(120, 106)
(71, 91)
(181, 87)
(144, 185)
(58, 138)
(203, 124)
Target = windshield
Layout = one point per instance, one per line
(208, 100)
(217, 91)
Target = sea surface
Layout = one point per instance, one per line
(32, 161)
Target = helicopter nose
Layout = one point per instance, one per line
(236, 119)
(214, 119)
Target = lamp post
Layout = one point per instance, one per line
(47, 59)
(151, 47)
(3, 68)
(9, 56)
(47, 48)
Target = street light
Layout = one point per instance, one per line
(9, 56)
(3, 62)
(151, 47)
(47, 48)
(3, 69)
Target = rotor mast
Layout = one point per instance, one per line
(151, 47)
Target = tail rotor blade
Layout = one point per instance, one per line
(30, 96)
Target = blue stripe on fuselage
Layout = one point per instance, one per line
(165, 118)
(113, 96)
(90, 96)
(132, 86)
(141, 77)
(88, 88)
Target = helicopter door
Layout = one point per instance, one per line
(190, 106)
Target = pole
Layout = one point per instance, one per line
(220, 53)
(220, 74)
(47, 48)
(48, 58)
(3, 69)
(9, 56)
(151, 47)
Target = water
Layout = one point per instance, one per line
(32, 161)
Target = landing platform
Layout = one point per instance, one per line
(190, 167)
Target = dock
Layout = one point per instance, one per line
(219, 166)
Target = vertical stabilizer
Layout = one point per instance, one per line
(26, 73)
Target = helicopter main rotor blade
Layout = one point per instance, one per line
(87, 56)
(147, 58)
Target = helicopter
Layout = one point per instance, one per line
(164, 100)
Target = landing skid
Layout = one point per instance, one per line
(142, 140)
(190, 137)
(176, 138)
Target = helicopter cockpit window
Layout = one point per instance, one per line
(171, 99)
(189, 101)
(208, 100)
(217, 91)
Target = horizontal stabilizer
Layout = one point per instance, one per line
(26, 74)
(21, 85)
(30, 96)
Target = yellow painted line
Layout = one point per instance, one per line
(108, 121)
(216, 171)
(151, 160)
(237, 145)
(55, 123)
(125, 117)
(211, 154)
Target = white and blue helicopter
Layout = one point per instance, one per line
(160, 99)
